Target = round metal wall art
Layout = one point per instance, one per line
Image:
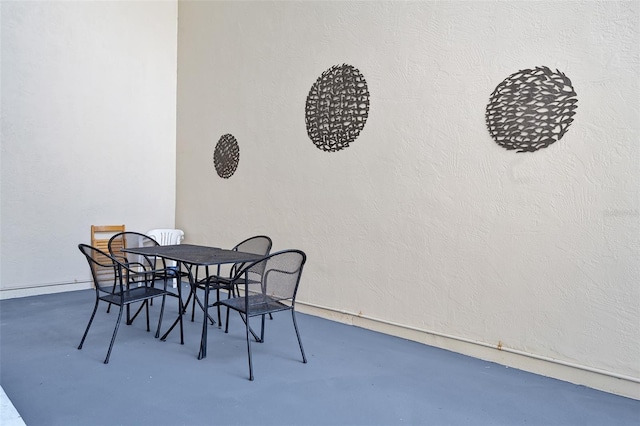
(531, 109)
(226, 156)
(337, 108)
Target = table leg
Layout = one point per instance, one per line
(205, 321)
(180, 307)
(218, 299)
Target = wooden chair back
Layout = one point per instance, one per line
(100, 235)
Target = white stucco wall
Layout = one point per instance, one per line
(88, 131)
(425, 223)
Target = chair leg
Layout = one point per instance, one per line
(217, 300)
(295, 325)
(147, 312)
(130, 318)
(230, 292)
(249, 350)
(115, 332)
(178, 320)
(113, 290)
(86, 331)
(161, 313)
(193, 305)
(246, 321)
(226, 328)
(262, 330)
(180, 307)
(235, 292)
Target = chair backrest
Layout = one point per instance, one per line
(167, 237)
(104, 269)
(260, 244)
(100, 235)
(281, 274)
(132, 240)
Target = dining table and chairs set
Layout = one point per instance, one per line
(135, 270)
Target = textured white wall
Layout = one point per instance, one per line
(425, 221)
(88, 130)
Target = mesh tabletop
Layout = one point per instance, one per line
(196, 255)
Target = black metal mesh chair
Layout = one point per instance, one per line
(129, 239)
(260, 244)
(112, 278)
(279, 280)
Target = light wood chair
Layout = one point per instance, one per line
(100, 235)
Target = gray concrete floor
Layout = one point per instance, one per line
(353, 377)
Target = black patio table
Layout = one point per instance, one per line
(191, 255)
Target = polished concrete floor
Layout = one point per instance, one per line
(353, 377)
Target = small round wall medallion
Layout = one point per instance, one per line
(531, 109)
(337, 108)
(226, 156)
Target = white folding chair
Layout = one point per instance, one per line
(168, 237)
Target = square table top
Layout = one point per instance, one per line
(195, 254)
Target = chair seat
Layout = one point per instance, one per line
(133, 295)
(258, 304)
(215, 283)
(224, 283)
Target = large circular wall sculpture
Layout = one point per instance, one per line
(531, 109)
(226, 156)
(337, 108)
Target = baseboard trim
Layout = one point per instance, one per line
(558, 369)
(11, 293)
